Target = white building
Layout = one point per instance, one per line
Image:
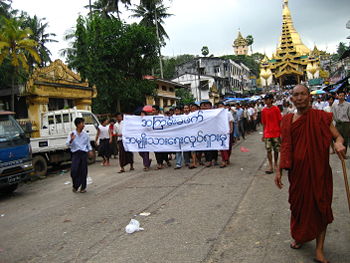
(208, 89)
(226, 75)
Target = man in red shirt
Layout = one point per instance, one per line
(271, 119)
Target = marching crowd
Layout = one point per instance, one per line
(243, 119)
(299, 128)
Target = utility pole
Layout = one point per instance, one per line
(90, 8)
(160, 55)
(199, 80)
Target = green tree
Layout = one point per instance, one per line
(250, 41)
(39, 34)
(341, 48)
(152, 14)
(170, 64)
(258, 56)
(16, 45)
(185, 96)
(205, 51)
(246, 60)
(105, 7)
(114, 56)
(6, 10)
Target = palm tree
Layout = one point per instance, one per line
(39, 28)
(152, 14)
(108, 6)
(98, 7)
(16, 45)
(5, 8)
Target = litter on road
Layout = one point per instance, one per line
(145, 214)
(244, 150)
(89, 180)
(133, 226)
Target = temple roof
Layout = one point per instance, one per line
(290, 38)
(240, 41)
(315, 51)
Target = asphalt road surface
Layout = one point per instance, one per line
(208, 215)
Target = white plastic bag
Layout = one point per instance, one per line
(133, 226)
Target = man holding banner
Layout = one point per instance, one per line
(211, 156)
(160, 156)
(125, 157)
(225, 154)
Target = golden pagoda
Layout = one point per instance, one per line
(292, 61)
(240, 45)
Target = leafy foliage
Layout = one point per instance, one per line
(170, 64)
(205, 51)
(341, 48)
(152, 14)
(39, 34)
(16, 47)
(26, 33)
(258, 57)
(114, 56)
(250, 40)
(185, 95)
(5, 8)
(106, 7)
(249, 61)
(16, 44)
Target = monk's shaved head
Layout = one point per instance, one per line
(301, 97)
(299, 87)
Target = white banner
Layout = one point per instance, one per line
(198, 131)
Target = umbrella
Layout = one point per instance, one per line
(317, 92)
(147, 108)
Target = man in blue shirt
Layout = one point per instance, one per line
(79, 143)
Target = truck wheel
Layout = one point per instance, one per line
(92, 159)
(40, 165)
(9, 189)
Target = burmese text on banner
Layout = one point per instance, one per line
(198, 131)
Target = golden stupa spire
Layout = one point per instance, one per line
(290, 38)
(240, 40)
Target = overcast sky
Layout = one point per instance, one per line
(198, 23)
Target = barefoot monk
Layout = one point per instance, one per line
(306, 137)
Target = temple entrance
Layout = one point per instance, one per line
(289, 80)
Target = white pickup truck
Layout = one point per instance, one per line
(50, 148)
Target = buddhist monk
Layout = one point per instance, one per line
(306, 137)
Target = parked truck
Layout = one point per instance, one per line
(15, 153)
(50, 148)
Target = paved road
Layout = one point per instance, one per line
(204, 215)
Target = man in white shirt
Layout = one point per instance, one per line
(125, 158)
(79, 143)
(225, 154)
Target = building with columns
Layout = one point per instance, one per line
(52, 88)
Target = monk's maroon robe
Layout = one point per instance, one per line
(305, 154)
